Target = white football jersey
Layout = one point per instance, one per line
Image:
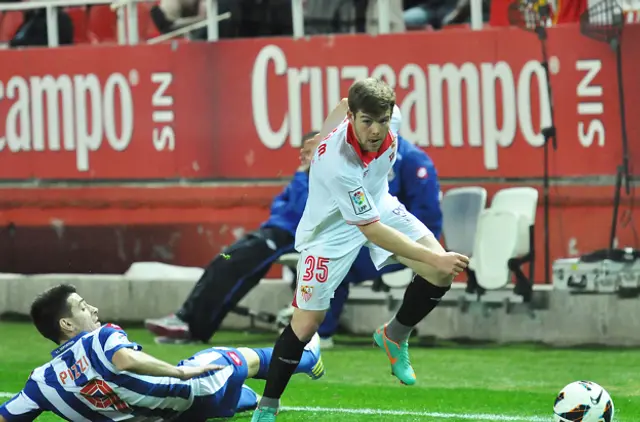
(346, 188)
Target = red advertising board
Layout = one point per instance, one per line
(106, 229)
(238, 109)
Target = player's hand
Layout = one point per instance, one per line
(307, 151)
(452, 263)
(188, 372)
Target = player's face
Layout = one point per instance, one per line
(84, 317)
(370, 130)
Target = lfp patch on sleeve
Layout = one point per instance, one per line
(359, 201)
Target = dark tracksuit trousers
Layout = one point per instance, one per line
(226, 280)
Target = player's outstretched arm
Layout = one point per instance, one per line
(141, 363)
(394, 241)
(332, 121)
(334, 118)
(22, 407)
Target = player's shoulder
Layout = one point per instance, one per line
(334, 153)
(414, 162)
(340, 132)
(412, 152)
(108, 330)
(38, 371)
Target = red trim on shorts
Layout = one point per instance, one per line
(365, 222)
(294, 303)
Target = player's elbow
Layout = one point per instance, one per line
(124, 359)
(371, 230)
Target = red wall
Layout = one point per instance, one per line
(104, 230)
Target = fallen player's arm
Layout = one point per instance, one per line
(394, 241)
(141, 363)
(334, 118)
(332, 121)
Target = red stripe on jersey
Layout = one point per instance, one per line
(365, 222)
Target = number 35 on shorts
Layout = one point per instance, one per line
(315, 268)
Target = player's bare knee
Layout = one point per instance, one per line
(306, 323)
(437, 278)
(443, 279)
(304, 330)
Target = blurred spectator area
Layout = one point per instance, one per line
(77, 25)
(250, 18)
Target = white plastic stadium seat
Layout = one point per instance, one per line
(505, 238)
(461, 208)
(495, 245)
(524, 202)
(398, 279)
(162, 271)
(289, 260)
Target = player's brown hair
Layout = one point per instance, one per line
(371, 96)
(48, 308)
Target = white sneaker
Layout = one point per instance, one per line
(313, 346)
(327, 343)
(169, 326)
(284, 317)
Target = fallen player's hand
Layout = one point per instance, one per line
(307, 151)
(452, 263)
(188, 372)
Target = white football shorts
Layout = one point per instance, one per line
(319, 277)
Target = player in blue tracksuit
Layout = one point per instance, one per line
(241, 266)
(231, 275)
(414, 181)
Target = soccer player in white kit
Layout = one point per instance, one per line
(349, 206)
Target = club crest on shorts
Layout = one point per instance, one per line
(306, 292)
(359, 201)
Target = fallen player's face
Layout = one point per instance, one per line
(371, 130)
(83, 316)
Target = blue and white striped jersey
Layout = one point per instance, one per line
(81, 383)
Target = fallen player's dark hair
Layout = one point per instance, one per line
(49, 307)
(371, 96)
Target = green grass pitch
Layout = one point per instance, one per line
(455, 384)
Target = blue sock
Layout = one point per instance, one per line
(307, 361)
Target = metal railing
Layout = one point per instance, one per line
(127, 17)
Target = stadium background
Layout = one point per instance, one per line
(111, 155)
(98, 207)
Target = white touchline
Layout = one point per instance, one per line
(438, 415)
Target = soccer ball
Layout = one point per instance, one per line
(583, 401)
